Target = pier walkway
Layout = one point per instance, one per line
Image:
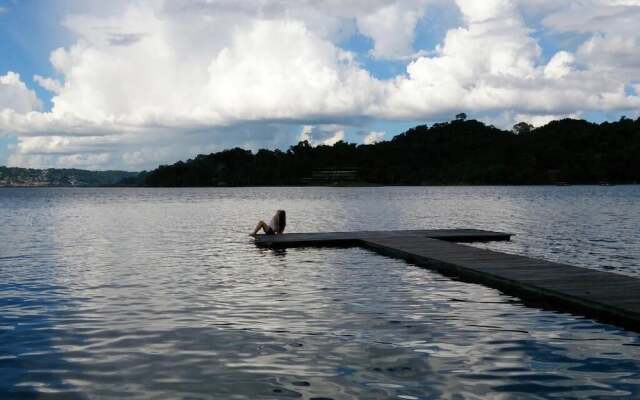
(601, 295)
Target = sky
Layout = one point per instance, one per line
(134, 84)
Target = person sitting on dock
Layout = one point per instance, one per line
(275, 227)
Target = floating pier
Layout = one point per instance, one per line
(605, 296)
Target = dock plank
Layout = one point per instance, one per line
(353, 238)
(602, 295)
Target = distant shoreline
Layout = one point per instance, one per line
(457, 153)
(323, 186)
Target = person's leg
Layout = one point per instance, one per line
(261, 225)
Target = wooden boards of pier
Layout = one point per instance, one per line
(602, 295)
(330, 239)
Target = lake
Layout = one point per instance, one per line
(160, 294)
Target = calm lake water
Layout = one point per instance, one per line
(160, 294)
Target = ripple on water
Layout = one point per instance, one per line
(112, 293)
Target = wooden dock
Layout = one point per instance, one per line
(601, 295)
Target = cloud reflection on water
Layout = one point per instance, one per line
(160, 293)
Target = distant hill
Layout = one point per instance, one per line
(457, 152)
(26, 177)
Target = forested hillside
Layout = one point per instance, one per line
(27, 177)
(457, 152)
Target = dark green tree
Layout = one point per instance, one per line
(458, 152)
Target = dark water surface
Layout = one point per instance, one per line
(159, 294)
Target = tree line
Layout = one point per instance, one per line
(63, 177)
(457, 152)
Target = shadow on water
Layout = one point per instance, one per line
(275, 252)
(30, 363)
(281, 253)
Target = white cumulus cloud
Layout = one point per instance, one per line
(15, 96)
(494, 63)
(392, 28)
(49, 84)
(373, 137)
(322, 134)
(559, 66)
(154, 81)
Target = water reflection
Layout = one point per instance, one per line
(160, 294)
